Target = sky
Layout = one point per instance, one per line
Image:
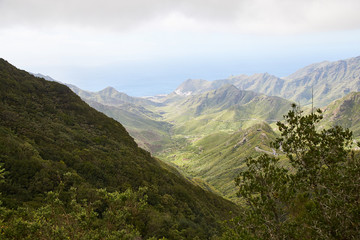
(149, 47)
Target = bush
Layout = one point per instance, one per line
(313, 194)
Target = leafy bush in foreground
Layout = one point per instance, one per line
(316, 195)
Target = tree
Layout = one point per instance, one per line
(311, 191)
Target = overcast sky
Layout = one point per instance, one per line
(148, 47)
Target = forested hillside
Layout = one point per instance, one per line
(58, 152)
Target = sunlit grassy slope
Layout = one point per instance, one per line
(224, 109)
(217, 158)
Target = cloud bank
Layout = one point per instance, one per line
(242, 16)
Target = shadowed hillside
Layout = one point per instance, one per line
(48, 132)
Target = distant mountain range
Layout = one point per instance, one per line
(261, 83)
(328, 80)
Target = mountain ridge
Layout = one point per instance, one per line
(110, 96)
(342, 76)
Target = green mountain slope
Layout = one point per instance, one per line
(47, 131)
(210, 102)
(151, 135)
(147, 127)
(218, 158)
(224, 109)
(344, 112)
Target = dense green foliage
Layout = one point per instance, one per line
(50, 137)
(111, 216)
(315, 196)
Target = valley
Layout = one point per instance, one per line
(207, 129)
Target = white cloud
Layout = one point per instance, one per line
(243, 16)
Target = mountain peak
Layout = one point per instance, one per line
(227, 87)
(111, 92)
(192, 86)
(109, 89)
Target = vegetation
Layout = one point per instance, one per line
(111, 216)
(314, 196)
(60, 155)
(344, 112)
